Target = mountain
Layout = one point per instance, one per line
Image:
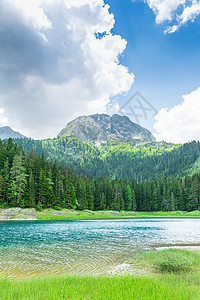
(115, 147)
(6, 132)
(101, 128)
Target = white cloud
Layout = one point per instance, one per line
(189, 13)
(164, 9)
(3, 119)
(176, 12)
(58, 60)
(181, 123)
(33, 12)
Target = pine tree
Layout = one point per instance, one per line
(2, 189)
(3, 155)
(165, 199)
(81, 195)
(172, 202)
(134, 203)
(192, 201)
(89, 193)
(116, 198)
(71, 200)
(31, 189)
(6, 177)
(128, 198)
(196, 189)
(18, 181)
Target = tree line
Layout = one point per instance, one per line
(141, 162)
(29, 180)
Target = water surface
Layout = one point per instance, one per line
(85, 247)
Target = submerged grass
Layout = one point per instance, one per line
(155, 286)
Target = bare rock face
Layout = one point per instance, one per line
(18, 213)
(101, 128)
(6, 132)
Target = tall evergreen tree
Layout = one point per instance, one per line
(71, 200)
(128, 198)
(18, 181)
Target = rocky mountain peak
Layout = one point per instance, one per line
(101, 128)
(6, 132)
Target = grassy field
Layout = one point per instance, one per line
(51, 214)
(183, 283)
(70, 214)
(77, 288)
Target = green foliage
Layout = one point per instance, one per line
(18, 181)
(169, 260)
(128, 198)
(30, 180)
(164, 287)
(50, 214)
(141, 162)
(174, 261)
(57, 207)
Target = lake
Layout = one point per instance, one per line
(31, 248)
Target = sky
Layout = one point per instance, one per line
(60, 59)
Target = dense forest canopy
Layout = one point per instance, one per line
(27, 179)
(116, 160)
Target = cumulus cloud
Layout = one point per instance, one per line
(58, 59)
(181, 123)
(176, 12)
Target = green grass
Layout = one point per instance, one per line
(128, 287)
(67, 214)
(169, 260)
(157, 285)
(51, 214)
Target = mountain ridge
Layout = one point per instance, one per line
(7, 132)
(119, 154)
(101, 128)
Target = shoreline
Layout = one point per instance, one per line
(30, 214)
(180, 247)
(102, 219)
(140, 266)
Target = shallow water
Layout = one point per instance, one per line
(85, 247)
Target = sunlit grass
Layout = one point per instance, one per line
(51, 214)
(175, 260)
(155, 285)
(128, 287)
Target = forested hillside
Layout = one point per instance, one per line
(28, 180)
(141, 162)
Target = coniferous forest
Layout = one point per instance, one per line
(29, 180)
(141, 162)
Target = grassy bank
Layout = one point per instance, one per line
(67, 214)
(160, 284)
(168, 287)
(89, 215)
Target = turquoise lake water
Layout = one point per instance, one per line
(85, 247)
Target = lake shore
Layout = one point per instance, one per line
(154, 276)
(166, 274)
(70, 214)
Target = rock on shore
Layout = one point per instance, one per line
(18, 213)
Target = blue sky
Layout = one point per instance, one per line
(60, 59)
(166, 66)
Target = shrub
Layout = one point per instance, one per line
(56, 207)
(172, 261)
(39, 206)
